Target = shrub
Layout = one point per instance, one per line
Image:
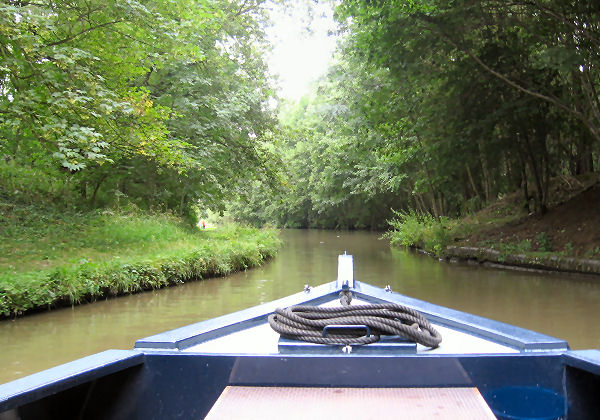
(414, 229)
(544, 242)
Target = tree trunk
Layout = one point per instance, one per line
(96, 188)
(585, 159)
(524, 184)
(540, 169)
(472, 181)
(182, 202)
(484, 171)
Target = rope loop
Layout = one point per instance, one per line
(306, 323)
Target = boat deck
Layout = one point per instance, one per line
(261, 339)
(248, 331)
(245, 403)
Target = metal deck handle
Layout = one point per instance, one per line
(347, 327)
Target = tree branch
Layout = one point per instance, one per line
(563, 19)
(578, 114)
(92, 28)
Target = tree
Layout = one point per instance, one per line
(503, 86)
(162, 102)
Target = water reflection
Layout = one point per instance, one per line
(559, 305)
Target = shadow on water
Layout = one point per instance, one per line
(558, 305)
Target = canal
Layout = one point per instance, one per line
(564, 306)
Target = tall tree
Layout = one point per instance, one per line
(161, 101)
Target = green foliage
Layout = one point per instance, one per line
(544, 242)
(510, 248)
(593, 252)
(146, 111)
(172, 110)
(452, 104)
(432, 105)
(523, 246)
(420, 230)
(22, 184)
(420, 111)
(331, 174)
(67, 94)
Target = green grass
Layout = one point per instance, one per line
(434, 235)
(50, 258)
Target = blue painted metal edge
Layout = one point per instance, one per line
(588, 360)
(520, 338)
(339, 355)
(193, 334)
(56, 379)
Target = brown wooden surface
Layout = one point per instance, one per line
(286, 403)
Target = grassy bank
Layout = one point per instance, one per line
(564, 239)
(435, 235)
(50, 258)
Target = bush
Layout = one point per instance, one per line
(544, 242)
(414, 229)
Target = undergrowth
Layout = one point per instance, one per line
(424, 231)
(421, 230)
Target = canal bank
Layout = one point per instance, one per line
(553, 263)
(112, 255)
(489, 257)
(564, 239)
(562, 306)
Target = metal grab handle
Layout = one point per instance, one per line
(347, 327)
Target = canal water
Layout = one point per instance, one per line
(563, 306)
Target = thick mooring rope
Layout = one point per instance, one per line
(307, 322)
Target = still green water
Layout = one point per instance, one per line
(563, 306)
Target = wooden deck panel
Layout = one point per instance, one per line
(243, 402)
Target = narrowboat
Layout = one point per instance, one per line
(345, 349)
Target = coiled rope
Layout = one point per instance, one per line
(306, 323)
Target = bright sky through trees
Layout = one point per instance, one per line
(303, 47)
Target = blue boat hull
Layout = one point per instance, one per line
(133, 385)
